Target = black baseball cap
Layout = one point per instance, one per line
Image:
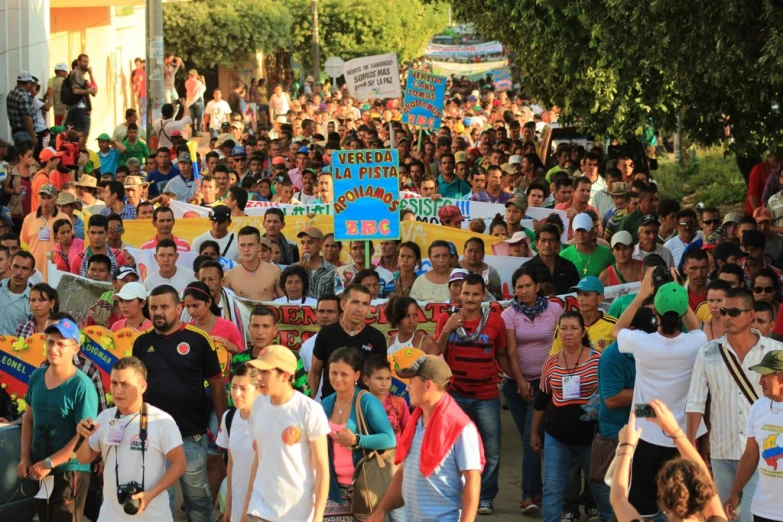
(726, 249)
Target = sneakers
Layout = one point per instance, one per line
(529, 507)
(592, 514)
(570, 516)
(485, 507)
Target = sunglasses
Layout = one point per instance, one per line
(763, 289)
(711, 222)
(732, 312)
(687, 223)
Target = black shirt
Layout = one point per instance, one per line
(177, 366)
(369, 341)
(565, 275)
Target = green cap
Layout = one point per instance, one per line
(771, 363)
(671, 297)
(104, 137)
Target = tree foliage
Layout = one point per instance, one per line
(615, 65)
(212, 32)
(353, 28)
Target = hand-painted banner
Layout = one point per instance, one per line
(425, 94)
(253, 208)
(373, 77)
(465, 69)
(462, 51)
(366, 194)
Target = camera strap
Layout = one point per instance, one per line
(142, 439)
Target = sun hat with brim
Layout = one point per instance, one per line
(671, 297)
(430, 368)
(772, 362)
(135, 181)
(588, 284)
(281, 119)
(133, 290)
(87, 182)
(275, 357)
(65, 198)
(617, 188)
(103, 137)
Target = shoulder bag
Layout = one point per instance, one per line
(373, 474)
(735, 369)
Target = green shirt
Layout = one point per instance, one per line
(56, 413)
(300, 378)
(135, 150)
(589, 264)
(631, 224)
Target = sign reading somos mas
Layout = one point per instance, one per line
(366, 194)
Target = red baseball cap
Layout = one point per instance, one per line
(450, 213)
(278, 160)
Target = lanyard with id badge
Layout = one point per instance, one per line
(572, 384)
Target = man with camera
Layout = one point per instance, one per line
(147, 457)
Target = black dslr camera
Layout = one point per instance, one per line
(125, 494)
(661, 276)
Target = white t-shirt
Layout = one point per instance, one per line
(308, 301)
(306, 354)
(663, 371)
(164, 127)
(218, 113)
(182, 278)
(231, 254)
(162, 437)
(283, 489)
(240, 444)
(765, 424)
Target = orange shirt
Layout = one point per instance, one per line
(33, 228)
(40, 179)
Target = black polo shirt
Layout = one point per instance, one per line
(564, 277)
(177, 366)
(369, 342)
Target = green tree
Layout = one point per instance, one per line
(353, 28)
(222, 32)
(615, 65)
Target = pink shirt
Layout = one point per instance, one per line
(227, 330)
(62, 260)
(119, 325)
(342, 457)
(534, 338)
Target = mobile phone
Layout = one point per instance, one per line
(644, 411)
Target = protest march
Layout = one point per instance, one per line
(322, 307)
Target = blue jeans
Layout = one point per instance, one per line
(601, 494)
(196, 114)
(485, 413)
(194, 483)
(724, 470)
(557, 460)
(21, 137)
(522, 413)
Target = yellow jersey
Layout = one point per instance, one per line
(599, 333)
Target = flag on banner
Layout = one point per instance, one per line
(194, 157)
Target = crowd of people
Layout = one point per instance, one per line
(296, 432)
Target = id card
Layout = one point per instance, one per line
(43, 234)
(114, 432)
(571, 386)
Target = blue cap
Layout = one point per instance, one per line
(5, 216)
(239, 150)
(452, 248)
(66, 328)
(467, 122)
(588, 284)
(303, 150)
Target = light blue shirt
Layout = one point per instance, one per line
(438, 498)
(15, 307)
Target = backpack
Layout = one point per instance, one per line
(67, 95)
(229, 419)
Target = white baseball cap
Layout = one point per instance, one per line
(132, 291)
(24, 76)
(582, 221)
(515, 159)
(623, 237)
(61, 67)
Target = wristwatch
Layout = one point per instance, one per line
(48, 463)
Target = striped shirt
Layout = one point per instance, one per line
(729, 408)
(534, 337)
(438, 498)
(552, 379)
(182, 188)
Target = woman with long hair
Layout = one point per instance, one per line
(205, 314)
(43, 302)
(473, 262)
(66, 245)
(409, 262)
(531, 321)
(346, 445)
(132, 300)
(403, 314)
(234, 436)
(568, 380)
(686, 491)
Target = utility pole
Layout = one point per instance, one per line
(154, 64)
(315, 52)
